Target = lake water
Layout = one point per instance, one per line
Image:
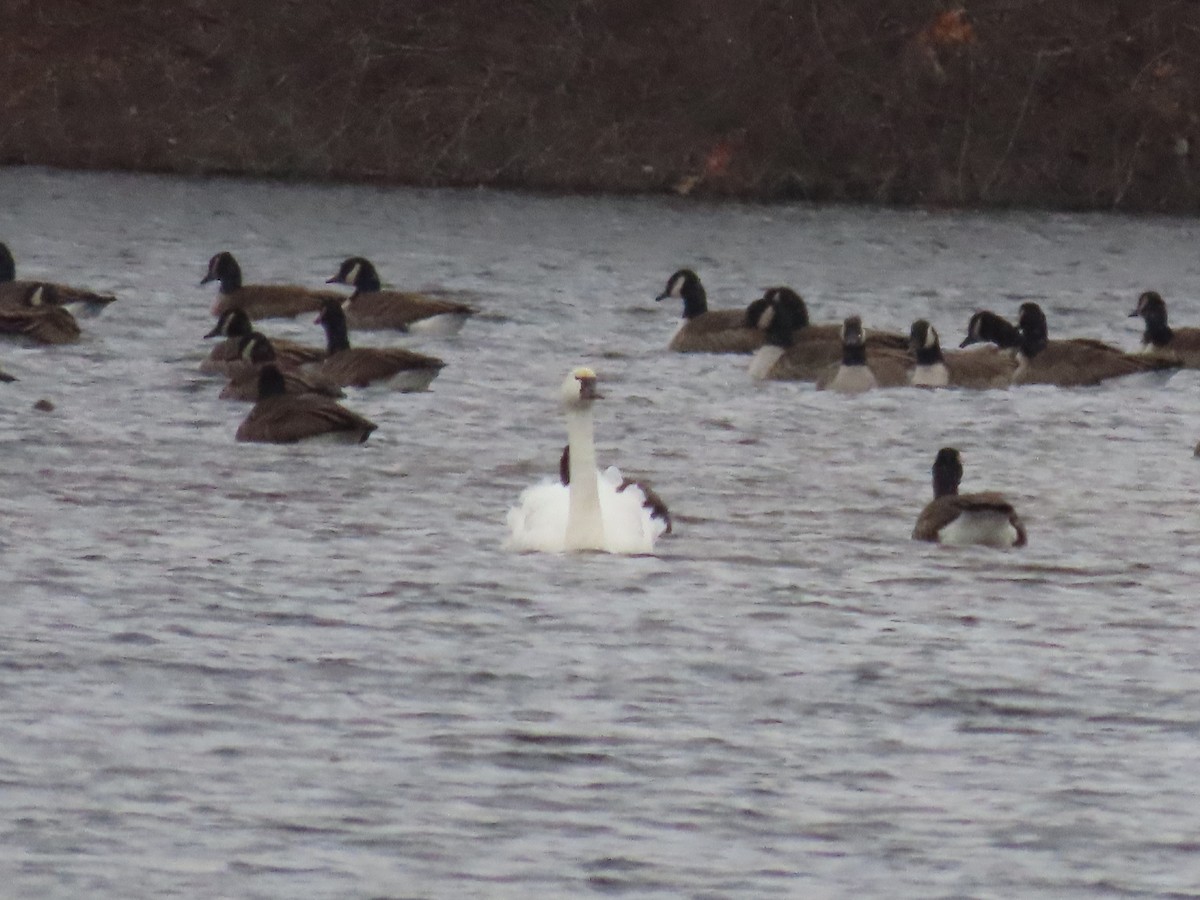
(254, 671)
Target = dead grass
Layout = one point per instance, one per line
(1064, 103)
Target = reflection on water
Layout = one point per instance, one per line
(313, 671)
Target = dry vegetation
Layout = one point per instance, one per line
(1066, 103)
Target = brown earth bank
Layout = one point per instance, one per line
(1060, 103)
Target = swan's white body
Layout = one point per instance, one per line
(593, 512)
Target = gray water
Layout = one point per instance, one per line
(253, 671)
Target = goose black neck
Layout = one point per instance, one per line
(929, 356)
(695, 300)
(947, 473)
(334, 322)
(1157, 332)
(781, 328)
(229, 275)
(368, 280)
(854, 354)
(8, 267)
(270, 382)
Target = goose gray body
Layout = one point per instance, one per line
(372, 308)
(260, 301)
(38, 317)
(1160, 338)
(705, 330)
(983, 368)
(282, 418)
(986, 518)
(79, 301)
(1073, 363)
(346, 366)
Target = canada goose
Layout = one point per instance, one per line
(1074, 363)
(1159, 337)
(592, 511)
(987, 327)
(789, 353)
(371, 308)
(39, 317)
(758, 315)
(984, 368)
(705, 330)
(234, 325)
(395, 367)
(954, 518)
(282, 418)
(260, 301)
(256, 351)
(651, 500)
(860, 371)
(79, 301)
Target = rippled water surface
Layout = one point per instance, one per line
(252, 671)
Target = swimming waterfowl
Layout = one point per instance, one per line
(39, 316)
(794, 349)
(282, 418)
(372, 308)
(758, 314)
(78, 301)
(1160, 338)
(259, 301)
(234, 325)
(255, 351)
(593, 510)
(860, 371)
(651, 501)
(393, 367)
(705, 330)
(953, 518)
(1074, 363)
(790, 353)
(982, 369)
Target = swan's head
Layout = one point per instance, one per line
(579, 389)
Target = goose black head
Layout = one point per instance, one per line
(232, 323)
(924, 344)
(1035, 333)
(987, 327)
(358, 273)
(947, 472)
(685, 285)
(224, 269)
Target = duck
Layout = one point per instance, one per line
(282, 418)
(982, 369)
(257, 350)
(589, 509)
(372, 308)
(1160, 338)
(39, 316)
(234, 325)
(952, 518)
(651, 501)
(705, 330)
(859, 371)
(78, 301)
(393, 367)
(259, 301)
(1075, 363)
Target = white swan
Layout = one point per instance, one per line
(596, 510)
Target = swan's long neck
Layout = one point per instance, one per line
(585, 527)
